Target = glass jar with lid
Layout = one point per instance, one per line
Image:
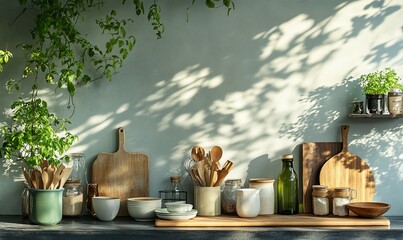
(228, 199)
(173, 192)
(77, 163)
(341, 197)
(73, 198)
(320, 200)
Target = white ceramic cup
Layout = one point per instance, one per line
(247, 202)
(106, 208)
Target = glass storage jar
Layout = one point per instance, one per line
(77, 163)
(320, 200)
(73, 198)
(174, 192)
(228, 199)
(25, 200)
(341, 197)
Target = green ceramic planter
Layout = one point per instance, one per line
(46, 206)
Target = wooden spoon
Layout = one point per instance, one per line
(198, 153)
(213, 173)
(216, 153)
(196, 178)
(221, 174)
(33, 180)
(45, 179)
(65, 175)
(38, 178)
(44, 164)
(51, 172)
(57, 176)
(199, 172)
(27, 177)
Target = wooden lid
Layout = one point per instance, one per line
(320, 191)
(261, 180)
(341, 192)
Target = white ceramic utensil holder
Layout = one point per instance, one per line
(207, 201)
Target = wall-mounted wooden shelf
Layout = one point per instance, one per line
(374, 116)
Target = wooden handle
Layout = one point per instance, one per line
(344, 136)
(121, 132)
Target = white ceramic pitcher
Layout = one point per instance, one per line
(247, 202)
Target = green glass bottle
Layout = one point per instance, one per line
(287, 187)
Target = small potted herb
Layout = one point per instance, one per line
(376, 85)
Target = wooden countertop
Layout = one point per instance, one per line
(299, 220)
(88, 228)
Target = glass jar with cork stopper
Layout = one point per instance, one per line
(320, 200)
(341, 197)
(73, 196)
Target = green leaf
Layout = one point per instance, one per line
(210, 4)
(122, 31)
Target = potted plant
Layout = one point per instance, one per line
(38, 139)
(376, 85)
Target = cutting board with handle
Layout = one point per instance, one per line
(121, 174)
(314, 155)
(348, 170)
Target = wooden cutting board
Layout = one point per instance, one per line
(300, 220)
(348, 170)
(121, 174)
(314, 155)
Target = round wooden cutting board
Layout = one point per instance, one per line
(348, 170)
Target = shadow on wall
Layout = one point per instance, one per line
(235, 97)
(234, 93)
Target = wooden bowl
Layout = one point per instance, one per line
(368, 209)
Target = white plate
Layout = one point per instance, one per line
(164, 214)
(164, 211)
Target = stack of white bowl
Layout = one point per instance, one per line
(143, 208)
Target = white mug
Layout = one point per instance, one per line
(247, 202)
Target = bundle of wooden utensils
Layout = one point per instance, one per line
(47, 176)
(206, 171)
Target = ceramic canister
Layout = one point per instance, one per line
(265, 185)
(207, 201)
(247, 202)
(45, 206)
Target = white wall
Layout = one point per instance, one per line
(259, 82)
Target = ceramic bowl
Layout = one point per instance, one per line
(368, 209)
(106, 208)
(143, 201)
(175, 207)
(143, 208)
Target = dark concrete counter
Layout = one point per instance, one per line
(85, 227)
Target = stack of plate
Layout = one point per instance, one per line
(164, 214)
